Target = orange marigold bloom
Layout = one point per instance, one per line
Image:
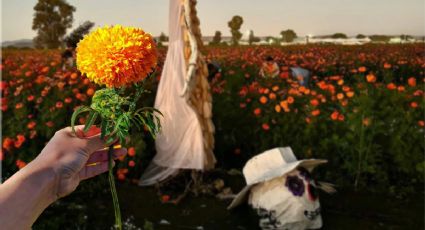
(116, 56)
(340, 96)
(414, 104)
(131, 163)
(387, 66)
(275, 88)
(31, 125)
(341, 117)
(277, 108)
(370, 78)
(131, 152)
(362, 69)
(265, 126)
(401, 88)
(421, 123)
(272, 96)
(314, 102)
(315, 112)
(90, 92)
(263, 99)
(366, 121)
(290, 100)
(334, 115)
(412, 81)
(20, 164)
(350, 94)
(391, 86)
(257, 112)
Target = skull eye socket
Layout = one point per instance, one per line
(304, 173)
(295, 185)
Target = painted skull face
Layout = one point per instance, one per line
(287, 202)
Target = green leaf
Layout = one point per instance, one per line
(78, 111)
(90, 120)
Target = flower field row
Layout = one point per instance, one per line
(363, 110)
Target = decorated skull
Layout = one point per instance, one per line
(287, 202)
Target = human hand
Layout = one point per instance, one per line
(74, 158)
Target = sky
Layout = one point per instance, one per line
(264, 17)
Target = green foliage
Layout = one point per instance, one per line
(117, 114)
(235, 25)
(216, 39)
(76, 35)
(288, 35)
(51, 20)
(339, 35)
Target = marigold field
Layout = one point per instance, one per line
(363, 110)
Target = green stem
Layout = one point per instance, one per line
(118, 224)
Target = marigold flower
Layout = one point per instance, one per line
(340, 96)
(131, 163)
(131, 152)
(20, 164)
(414, 104)
(370, 78)
(334, 115)
(257, 112)
(277, 108)
(31, 125)
(272, 96)
(314, 102)
(116, 56)
(421, 123)
(265, 126)
(290, 100)
(391, 86)
(401, 88)
(411, 81)
(350, 94)
(263, 99)
(315, 112)
(362, 69)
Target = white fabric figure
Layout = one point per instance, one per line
(179, 144)
(282, 190)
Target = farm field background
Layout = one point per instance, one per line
(363, 111)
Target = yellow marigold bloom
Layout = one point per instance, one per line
(116, 56)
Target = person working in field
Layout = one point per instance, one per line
(269, 69)
(300, 74)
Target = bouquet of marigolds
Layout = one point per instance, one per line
(120, 58)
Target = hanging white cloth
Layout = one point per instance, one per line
(179, 145)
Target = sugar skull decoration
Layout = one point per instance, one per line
(282, 191)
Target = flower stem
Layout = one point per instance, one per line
(118, 224)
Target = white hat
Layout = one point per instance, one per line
(268, 165)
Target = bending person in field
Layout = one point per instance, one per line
(269, 68)
(56, 172)
(300, 74)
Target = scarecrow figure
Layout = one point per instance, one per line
(282, 191)
(186, 139)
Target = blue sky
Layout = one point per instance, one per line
(265, 17)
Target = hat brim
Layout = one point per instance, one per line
(242, 196)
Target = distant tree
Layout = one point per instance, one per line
(252, 38)
(216, 39)
(288, 35)
(339, 35)
(76, 35)
(380, 38)
(405, 37)
(163, 37)
(51, 20)
(360, 36)
(235, 25)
